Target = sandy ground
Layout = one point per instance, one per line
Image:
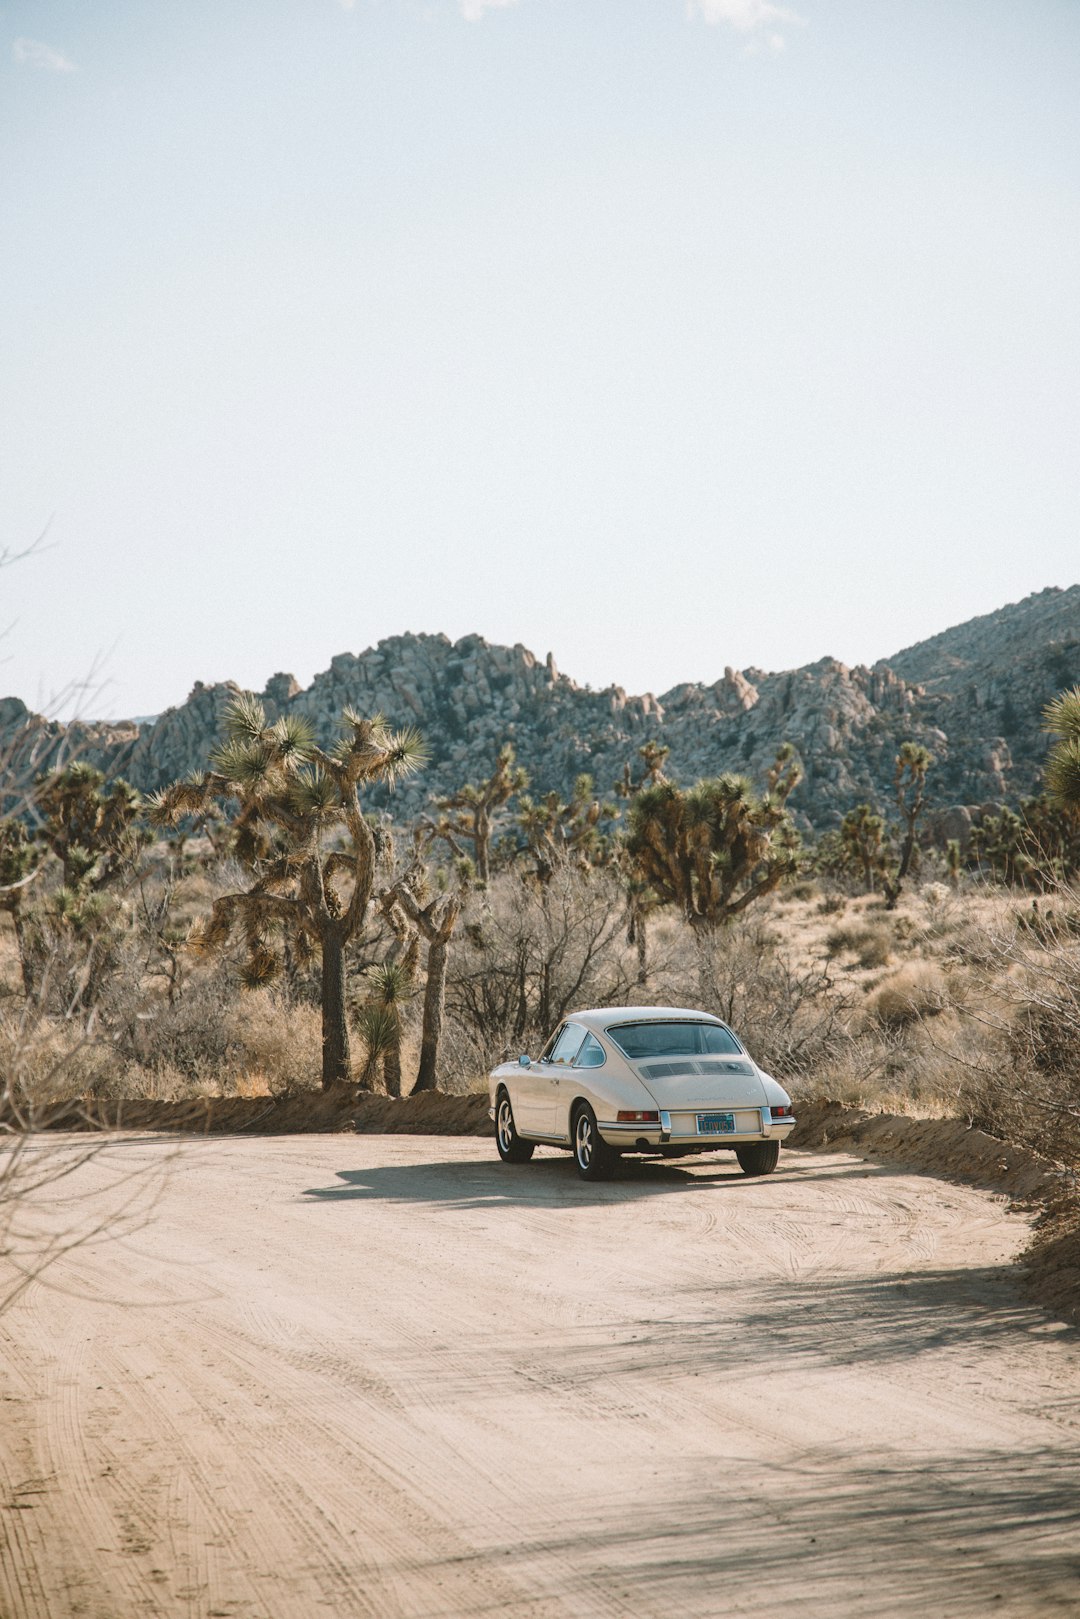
(352, 1376)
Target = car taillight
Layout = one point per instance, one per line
(780, 1112)
(637, 1118)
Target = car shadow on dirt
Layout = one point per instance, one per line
(553, 1181)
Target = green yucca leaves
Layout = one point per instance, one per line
(246, 765)
(391, 983)
(1062, 717)
(378, 1028)
(406, 751)
(261, 967)
(293, 737)
(314, 792)
(244, 719)
(1063, 773)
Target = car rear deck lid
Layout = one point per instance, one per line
(707, 1065)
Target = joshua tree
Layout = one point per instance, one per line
(556, 830)
(1062, 719)
(863, 843)
(641, 899)
(96, 832)
(715, 849)
(292, 798)
(653, 756)
(909, 785)
(467, 816)
(20, 864)
(1035, 848)
(434, 916)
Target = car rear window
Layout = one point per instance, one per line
(636, 1040)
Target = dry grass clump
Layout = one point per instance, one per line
(871, 945)
(918, 989)
(276, 1045)
(45, 1062)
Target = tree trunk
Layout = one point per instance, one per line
(391, 1066)
(25, 953)
(434, 1001)
(642, 941)
(335, 1029)
(482, 845)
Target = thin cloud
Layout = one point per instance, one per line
(36, 54)
(473, 10)
(757, 20)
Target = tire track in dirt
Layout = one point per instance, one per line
(437, 1387)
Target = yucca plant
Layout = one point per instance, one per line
(864, 844)
(20, 864)
(653, 756)
(380, 1019)
(290, 801)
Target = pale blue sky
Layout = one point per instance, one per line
(661, 337)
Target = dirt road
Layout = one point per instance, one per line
(369, 1376)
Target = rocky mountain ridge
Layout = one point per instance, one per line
(972, 694)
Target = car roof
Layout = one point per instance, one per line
(604, 1017)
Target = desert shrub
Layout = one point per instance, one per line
(47, 1061)
(192, 1036)
(276, 1046)
(901, 1069)
(833, 905)
(916, 990)
(803, 892)
(936, 898)
(790, 1014)
(871, 945)
(528, 953)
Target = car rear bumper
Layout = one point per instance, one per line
(680, 1129)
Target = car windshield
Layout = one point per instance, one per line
(636, 1040)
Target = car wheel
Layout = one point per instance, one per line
(594, 1158)
(760, 1159)
(512, 1150)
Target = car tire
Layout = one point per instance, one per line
(595, 1160)
(512, 1150)
(759, 1159)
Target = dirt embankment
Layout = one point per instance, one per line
(951, 1148)
(307, 1113)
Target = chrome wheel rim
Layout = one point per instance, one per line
(584, 1141)
(506, 1126)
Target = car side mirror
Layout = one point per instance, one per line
(524, 1061)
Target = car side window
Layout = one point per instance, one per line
(592, 1054)
(567, 1045)
(545, 1055)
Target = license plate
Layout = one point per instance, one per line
(716, 1124)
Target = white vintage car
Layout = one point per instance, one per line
(657, 1080)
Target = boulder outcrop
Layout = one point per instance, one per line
(973, 695)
